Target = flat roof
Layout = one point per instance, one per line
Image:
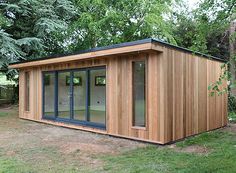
(133, 43)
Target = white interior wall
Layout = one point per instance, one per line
(97, 93)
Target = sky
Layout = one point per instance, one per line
(192, 3)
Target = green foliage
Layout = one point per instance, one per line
(28, 28)
(9, 51)
(36, 28)
(4, 81)
(217, 87)
(218, 15)
(205, 29)
(104, 22)
(232, 108)
(232, 117)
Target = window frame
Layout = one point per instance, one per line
(72, 120)
(141, 59)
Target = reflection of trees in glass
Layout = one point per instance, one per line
(139, 100)
(47, 80)
(100, 80)
(77, 80)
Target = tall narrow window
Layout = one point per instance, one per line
(139, 94)
(27, 91)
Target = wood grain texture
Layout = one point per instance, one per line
(177, 99)
(89, 55)
(191, 107)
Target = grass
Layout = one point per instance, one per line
(53, 162)
(16, 157)
(8, 165)
(11, 165)
(221, 157)
(3, 114)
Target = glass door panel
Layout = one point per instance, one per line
(97, 96)
(76, 96)
(49, 94)
(79, 95)
(64, 95)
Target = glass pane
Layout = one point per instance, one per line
(79, 84)
(97, 98)
(27, 91)
(49, 92)
(139, 93)
(63, 95)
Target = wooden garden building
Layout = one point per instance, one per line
(145, 90)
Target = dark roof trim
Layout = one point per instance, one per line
(189, 51)
(148, 40)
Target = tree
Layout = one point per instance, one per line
(9, 47)
(223, 13)
(105, 22)
(206, 28)
(29, 28)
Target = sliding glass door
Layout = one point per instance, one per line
(49, 95)
(76, 96)
(79, 95)
(64, 95)
(97, 93)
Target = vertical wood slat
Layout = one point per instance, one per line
(165, 120)
(212, 99)
(178, 96)
(168, 118)
(189, 96)
(21, 94)
(121, 120)
(199, 111)
(202, 95)
(178, 102)
(195, 91)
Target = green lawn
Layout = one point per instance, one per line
(221, 156)
(32, 147)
